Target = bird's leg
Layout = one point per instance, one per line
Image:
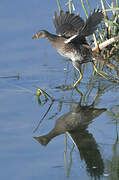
(78, 80)
(80, 93)
(77, 65)
(101, 73)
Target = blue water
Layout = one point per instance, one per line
(39, 65)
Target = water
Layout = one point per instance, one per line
(89, 151)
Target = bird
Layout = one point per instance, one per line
(70, 38)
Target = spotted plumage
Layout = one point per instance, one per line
(72, 31)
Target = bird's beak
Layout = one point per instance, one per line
(35, 36)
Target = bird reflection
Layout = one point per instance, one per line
(79, 118)
(89, 152)
(75, 123)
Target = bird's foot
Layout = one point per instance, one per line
(101, 73)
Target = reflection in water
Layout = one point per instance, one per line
(113, 164)
(89, 152)
(76, 123)
(79, 117)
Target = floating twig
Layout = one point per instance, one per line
(15, 76)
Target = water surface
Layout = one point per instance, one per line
(88, 149)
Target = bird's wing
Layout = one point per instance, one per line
(90, 26)
(92, 22)
(67, 25)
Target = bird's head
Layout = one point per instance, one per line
(42, 34)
